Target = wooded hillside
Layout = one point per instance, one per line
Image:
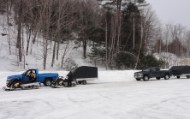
(121, 34)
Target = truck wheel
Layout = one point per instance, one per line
(137, 79)
(178, 77)
(145, 78)
(48, 82)
(158, 78)
(188, 76)
(84, 82)
(166, 77)
(15, 84)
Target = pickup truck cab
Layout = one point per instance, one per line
(152, 72)
(15, 81)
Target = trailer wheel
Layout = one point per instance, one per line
(48, 82)
(158, 78)
(178, 77)
(166, 77)
(146, 78)
(84, 82)
(73, 84)
(137, 79)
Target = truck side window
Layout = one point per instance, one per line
(146, 70)
(28, 73)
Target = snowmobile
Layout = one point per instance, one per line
(18, 86)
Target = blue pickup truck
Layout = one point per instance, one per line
(15, 81)
(31, 78)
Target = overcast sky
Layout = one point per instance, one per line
(172, 11)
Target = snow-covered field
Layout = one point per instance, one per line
(114, 95)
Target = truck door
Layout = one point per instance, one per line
(153, 72)
(157, 72)
(26, 78)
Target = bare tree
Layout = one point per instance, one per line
(19, 19)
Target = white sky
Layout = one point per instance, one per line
(172, 11)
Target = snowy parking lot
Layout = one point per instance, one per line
(114, 95)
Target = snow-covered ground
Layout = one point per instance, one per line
(114, 95)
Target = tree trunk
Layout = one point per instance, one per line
(18, 44)
(63, 57)
(57, 53)
(28, 41)
(134, 32)
(84, 48)
(35, 35)
(141, 42)
(53, 56)
(45, 53)
(106, 36)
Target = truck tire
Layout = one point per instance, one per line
(188, 76)
(166, 77)
(178, 77)
(137, 79)
(158, 78)
(15, 84)
(146, 78)
(48, 82)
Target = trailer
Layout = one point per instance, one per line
(180, 71)
(83, 74)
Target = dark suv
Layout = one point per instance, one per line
(152, 72)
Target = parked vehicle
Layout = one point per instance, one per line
(83, 73)
(15, 81)
(152, 72)
(179, 71)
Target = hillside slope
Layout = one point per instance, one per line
(8, 51)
